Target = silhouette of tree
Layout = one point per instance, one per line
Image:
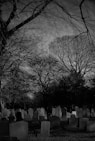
(75, 55)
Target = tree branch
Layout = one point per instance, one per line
(12, 15)
(32, 17)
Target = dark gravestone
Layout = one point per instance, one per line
(54, 122)
(91, 125)
(73, 121)
(83, 122)
(8, 139)
(4, 128)
(41, 118)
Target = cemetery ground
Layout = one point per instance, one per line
(62, 124)
(59, 134)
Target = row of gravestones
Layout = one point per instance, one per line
(25, 114)
(82, 123)
(19, 130)
(56, 111)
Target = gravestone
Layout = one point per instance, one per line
(92, 112)
(83, 122)
(88, 113)
(53, 111)
(19, 129)
(5, 113)
(4, 128)
(45, 128)
(35, 115)
(42, 115)
(64, 110)
(58, 112)
(73, 121)
(30, 112)
(91, 126)
(77, 111)
(54, 121)
(68, 115)
(84, 112)
(74, 113)
(80, 113)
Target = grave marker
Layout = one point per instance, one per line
(45, 128)
(19, 130)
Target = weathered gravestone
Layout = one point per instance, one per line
(92, 112)
(42, 114)
(58, 112)
(83, 122)
(54, 121)
(45, 129)
(19, 129)
(30, 112)
(64, 110)
(80, 113)
(91, 125)
(4, 128)
(88, 113)
(73, 121)
(53, 111)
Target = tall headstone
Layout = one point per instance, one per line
(42, 113)
(45, 128)
(58, 112)
(64, 110)
(73, 121)
(88, 113)
(92, 112)
(4, 128)
(53, 111)
(68, 115)
(30, 112)
(80, 113)
(83, 122)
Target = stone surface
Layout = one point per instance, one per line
(91, 126)
(83, 122)
(4, 128)
(73, 121)
(45, 128)
(19, 130)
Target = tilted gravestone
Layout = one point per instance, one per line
(19, 129)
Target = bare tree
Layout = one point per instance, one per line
(43, 72)
(75, 55)
(17, 10)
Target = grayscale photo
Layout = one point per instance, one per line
(47, 70)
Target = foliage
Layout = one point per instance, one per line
(16, 88)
